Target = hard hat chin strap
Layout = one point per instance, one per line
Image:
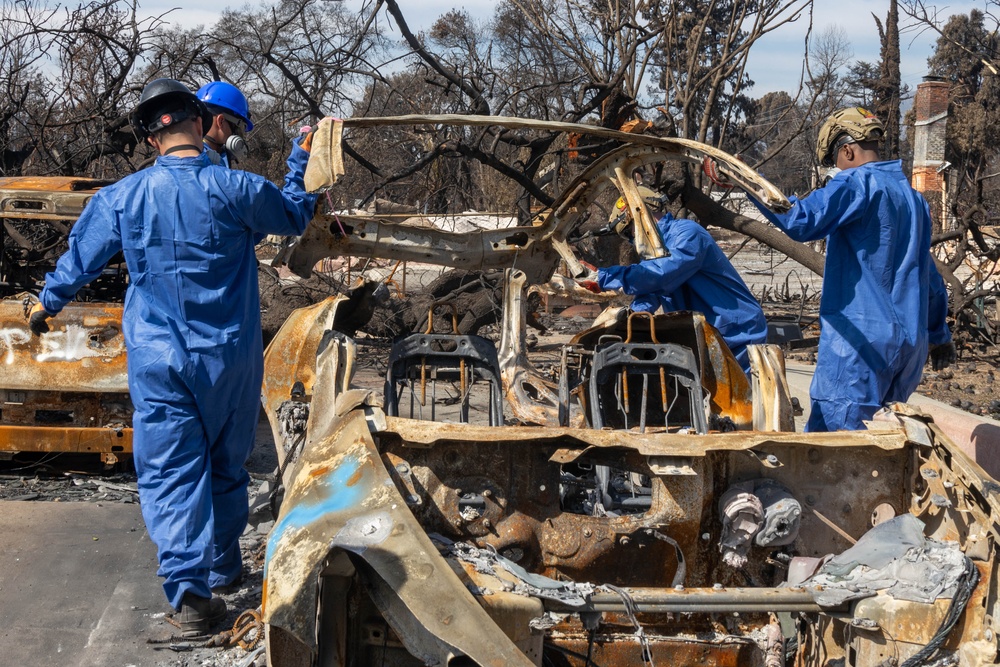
(182, 147)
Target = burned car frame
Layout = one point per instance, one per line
(66, 390)
(647, 503)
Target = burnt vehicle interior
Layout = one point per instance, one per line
(643, 502)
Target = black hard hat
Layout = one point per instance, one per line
(164, 102)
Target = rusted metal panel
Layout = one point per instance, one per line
(64, 408)
(291, 358)
(66, 390)
(834, 485)
(915, 624)
(968, 472)
(575, 441)
(511, 612)
(46, 197)
(84, 350)
(772, 402)
(524, 518)
(623, 650)
(722, 377)
(898, 629)
(343, 498)
(61, 439)
(52, 183)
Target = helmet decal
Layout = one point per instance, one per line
(164, 102)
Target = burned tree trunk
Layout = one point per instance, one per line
(711, 212)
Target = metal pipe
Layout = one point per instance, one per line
(714, 608)
(699, 600)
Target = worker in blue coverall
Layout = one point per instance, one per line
(192, 328)
(695, 275)
(884, 302)
(231, 121)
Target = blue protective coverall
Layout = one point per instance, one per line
(192, 329)
(883, 299)
(695, 276)
(215, 157)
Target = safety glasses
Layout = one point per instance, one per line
(237, 125)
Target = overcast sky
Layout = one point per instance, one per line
(775, 62)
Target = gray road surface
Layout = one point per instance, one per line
(78, 586)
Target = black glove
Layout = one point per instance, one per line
(942, 356)
(37, 317)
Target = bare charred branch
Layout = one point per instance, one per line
(710, 212)
(475, 95)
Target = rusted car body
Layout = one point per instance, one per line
(406, 541)
(66, 390)
(642, 501)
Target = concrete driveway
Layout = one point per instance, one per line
(78, 586)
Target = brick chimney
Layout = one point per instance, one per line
(931, 109)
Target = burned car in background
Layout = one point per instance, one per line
(643, 502)
(66, 390)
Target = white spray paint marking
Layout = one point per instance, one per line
(71, 344)
(68, 345)
(11, 337)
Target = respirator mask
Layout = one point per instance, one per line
(236, 147)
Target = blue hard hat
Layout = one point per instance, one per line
(226, 96)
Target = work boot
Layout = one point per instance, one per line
(199, 614)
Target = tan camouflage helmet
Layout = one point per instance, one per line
(846, 126)
(621, 216)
